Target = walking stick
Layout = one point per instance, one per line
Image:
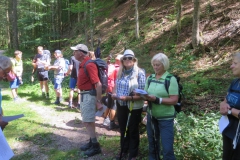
(154, 132)
(125, 134)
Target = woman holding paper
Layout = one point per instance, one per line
(5, 67)
(161, 110)
(230, 107)
(129, 105)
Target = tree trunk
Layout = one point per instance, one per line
(8, 26)
(85, 23)
(13, 24)
(92, 23)
(195, 28)
(179, 12)
(137, 19)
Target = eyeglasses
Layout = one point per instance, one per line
(127, 58)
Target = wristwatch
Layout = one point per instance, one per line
(229, 111)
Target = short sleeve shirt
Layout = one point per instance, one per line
(17, 66)
(59, 73)
(84, 82)
(162, 111)
(42, 57)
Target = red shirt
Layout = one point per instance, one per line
(84, 82)
(112, 76)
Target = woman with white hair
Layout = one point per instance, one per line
(129, 105)
(161, 110)
(5, 67)
(230, 107)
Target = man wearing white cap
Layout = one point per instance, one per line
(91, 94)
(58, 67)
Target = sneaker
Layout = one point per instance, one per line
(86, 146)
(16, 99)
(95, 149)
(113, 125)
(70, 105)
(106, 122)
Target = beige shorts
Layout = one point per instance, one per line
(88, 108)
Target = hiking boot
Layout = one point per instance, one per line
(86, 146)
(113, 125)
(124, 156)
(57, 102)
(95, 149)
(106, 122)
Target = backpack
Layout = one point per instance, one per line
(48, 53)
(177, 106)
(102, 72)
(67, 63)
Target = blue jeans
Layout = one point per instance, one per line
(164, 133)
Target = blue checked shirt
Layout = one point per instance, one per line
(123, 85)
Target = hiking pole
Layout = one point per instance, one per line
(125, 134)
(235, 140)
(154, 132)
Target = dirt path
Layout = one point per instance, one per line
(68, 132)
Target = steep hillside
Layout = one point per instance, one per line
(205, 73)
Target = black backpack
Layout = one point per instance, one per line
(177, 106)
(102, 72)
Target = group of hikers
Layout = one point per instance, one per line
(128, 91)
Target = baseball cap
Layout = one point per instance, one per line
(81, 47)
(58, 52)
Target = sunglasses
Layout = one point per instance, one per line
(127, 58)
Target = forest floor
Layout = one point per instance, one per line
(68, 132)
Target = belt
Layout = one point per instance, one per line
(40, 69)
(84, 91)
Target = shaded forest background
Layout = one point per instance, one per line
(164, 26)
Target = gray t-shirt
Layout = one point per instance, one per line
(59, 73)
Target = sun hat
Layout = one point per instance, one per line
(128, 53)
(81, 47)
